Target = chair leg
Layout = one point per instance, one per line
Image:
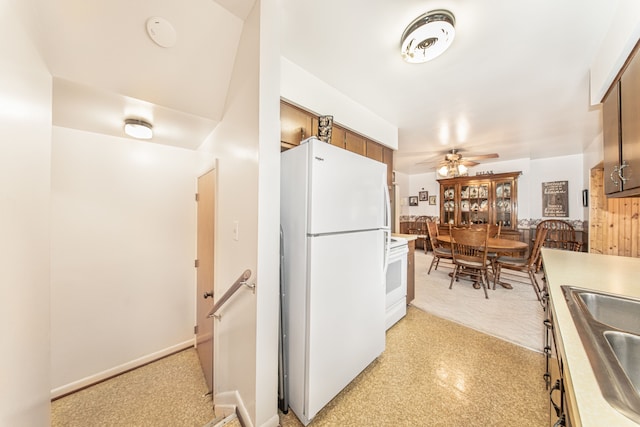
(534, 283)
(453, 276)
(484, 278)
(432, 261)
(496, 276)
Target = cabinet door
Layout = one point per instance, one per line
(355, 143)
(448, 204)
(630, 123)
(295, 125)
(338, 136)
(611, 138)
(503, 203)
(387, 158)
(374, 151)
(474, 203)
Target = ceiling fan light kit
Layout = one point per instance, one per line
(428, 36)
(454, 164)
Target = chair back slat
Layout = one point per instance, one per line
(469, 244)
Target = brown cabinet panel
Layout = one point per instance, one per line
(355, 143)
(374, 151)
(611, 138)
(387, 158)
(338, 135)
(295, 124)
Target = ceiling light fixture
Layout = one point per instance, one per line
(428, 36)
(138, 129)
(453, 165)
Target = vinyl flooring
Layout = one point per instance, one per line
(434, 372)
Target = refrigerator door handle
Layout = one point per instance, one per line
(387, 231)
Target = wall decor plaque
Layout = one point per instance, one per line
(555, 199)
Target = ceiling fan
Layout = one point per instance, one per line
(455, 164)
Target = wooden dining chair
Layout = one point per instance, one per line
(525, 265)
(469, 251)
(439, 251)
(558, 231)
(419, 228)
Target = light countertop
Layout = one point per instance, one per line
(606, 273)
(405, 236)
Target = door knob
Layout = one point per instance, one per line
(208, 295)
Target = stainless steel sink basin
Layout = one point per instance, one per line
(626, 347)
(620, 313)
(609, 327)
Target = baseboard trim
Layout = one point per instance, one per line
(231, 399)
(72, 387)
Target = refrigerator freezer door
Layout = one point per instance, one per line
(347, 191)
(346, 312)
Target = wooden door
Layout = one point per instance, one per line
(205, 270)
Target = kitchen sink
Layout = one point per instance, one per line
(626, 347)
(609, 327)
(620, 313)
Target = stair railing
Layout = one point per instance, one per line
(240, 282)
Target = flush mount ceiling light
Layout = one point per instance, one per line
(428, 36)
(138, 129)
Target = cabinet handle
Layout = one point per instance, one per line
(622, 166)
(615, 170)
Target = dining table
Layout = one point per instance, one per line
(496, 244)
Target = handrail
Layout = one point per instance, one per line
(241, 281)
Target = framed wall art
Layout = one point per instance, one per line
(423, 196)
(413, 200)
(432, 200)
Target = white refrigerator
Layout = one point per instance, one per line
(335, 217)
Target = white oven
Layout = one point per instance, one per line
(396, 281)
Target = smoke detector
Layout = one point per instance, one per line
(161, 32)
(428, 36)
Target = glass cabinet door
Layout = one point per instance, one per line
(474, 203)
(448, 197)
(504, 193)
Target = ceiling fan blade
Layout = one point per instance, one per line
(468, 162)
(481, 156)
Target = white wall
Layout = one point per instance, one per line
(244, 158)
(616, 46)
(123, 244)
(25, 138)
(268, 218)
(304, 89)
(423, 182)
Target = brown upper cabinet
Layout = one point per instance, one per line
(297, 124)
(621, 132)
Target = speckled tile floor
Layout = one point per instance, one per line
(168, 392)
(435, 372)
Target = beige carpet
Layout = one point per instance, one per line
(514, 315)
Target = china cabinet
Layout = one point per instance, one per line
(486, 199)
